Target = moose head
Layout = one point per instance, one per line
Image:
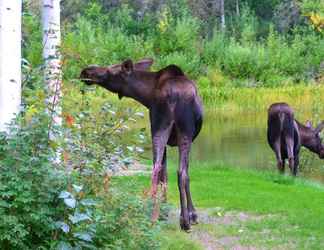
(311, 138)
(125, 79)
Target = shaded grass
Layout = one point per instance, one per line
(297, 204)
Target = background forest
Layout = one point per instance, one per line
(233, 49)
(261, 43)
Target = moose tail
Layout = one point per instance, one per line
(281, 120)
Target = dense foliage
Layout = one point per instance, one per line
(71, 203)
(268, 43)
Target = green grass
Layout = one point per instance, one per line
(302, 97)
(172, 239)
(293, 208)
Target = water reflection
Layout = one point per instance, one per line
(240, 140)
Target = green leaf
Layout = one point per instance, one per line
(77, 217)
(77, 188)
(65, 194)
(88, 202)
(70, 202)
(83, 236)
(63, 226)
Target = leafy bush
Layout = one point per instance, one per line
(29, 186)
(190, 63)
(46, 204)
(123, 221)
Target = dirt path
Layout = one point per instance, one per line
(220, 230)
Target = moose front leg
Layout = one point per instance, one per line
(160, 139)
(295, 170)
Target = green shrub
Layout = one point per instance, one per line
(123, 221)
(29, 186)
(189, 63)
(45, 204)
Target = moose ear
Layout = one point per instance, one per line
(144, 64)
(127, 67)
(319, 128)
(309, 124)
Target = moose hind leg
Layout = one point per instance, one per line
(160, 138)
(183, 182)
(290, 152)
(163, 178)
(193, 217)
(280, 162)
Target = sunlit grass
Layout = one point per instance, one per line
(295, 205)
(303, 97)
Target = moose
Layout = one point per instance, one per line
(176, 117)
(286, 136)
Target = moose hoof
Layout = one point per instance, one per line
(193, 218)
(184, 224)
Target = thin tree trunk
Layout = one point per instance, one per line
(10, 61)
(237, 8)
(222, 14)
(52, 59)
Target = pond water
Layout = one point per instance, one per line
(238, 139)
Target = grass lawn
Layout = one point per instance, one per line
(246, 208)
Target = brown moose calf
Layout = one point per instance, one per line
(175, 115)
(286, 135)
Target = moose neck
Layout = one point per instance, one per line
(140, 87)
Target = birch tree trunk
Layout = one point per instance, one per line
(222, 14)
(52, 57)
(52, 71)
(10, 61)
(237, 6)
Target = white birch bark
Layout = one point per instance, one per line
(53, 73)
(222, 13)
(52, 57)
(237, 5)
(10, 61)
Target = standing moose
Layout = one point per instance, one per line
(286, 135)
(175, 111)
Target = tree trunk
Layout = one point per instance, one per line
(10, 61)
(237, 5)
(222, 14)
(52, 60)
(52, 57)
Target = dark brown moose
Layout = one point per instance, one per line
(286, 135)
(175, 111)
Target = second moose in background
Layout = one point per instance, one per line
(286, 136)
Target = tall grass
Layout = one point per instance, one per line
(301, 97)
